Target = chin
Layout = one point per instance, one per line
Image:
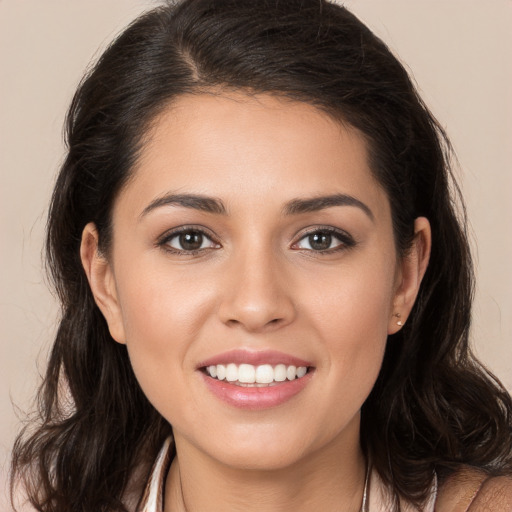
(265, 449)
(260, 459)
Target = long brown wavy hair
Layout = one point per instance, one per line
(434, 406)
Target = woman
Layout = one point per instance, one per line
(265, 286)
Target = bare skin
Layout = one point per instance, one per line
(471, 490)
(257, 282)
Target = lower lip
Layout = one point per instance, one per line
(256, 398)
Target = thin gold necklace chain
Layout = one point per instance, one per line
(365, 505)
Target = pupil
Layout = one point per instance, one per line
(191, 241)
(320, 241)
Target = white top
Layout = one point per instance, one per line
(152, 500)
(380, 500)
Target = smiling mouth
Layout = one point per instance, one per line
(248, 375)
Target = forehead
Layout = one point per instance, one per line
(252, 148)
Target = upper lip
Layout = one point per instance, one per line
(240, 356)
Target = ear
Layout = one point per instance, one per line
(102, 282)
(410, 274)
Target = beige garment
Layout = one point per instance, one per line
(152, 499)
(380, 499)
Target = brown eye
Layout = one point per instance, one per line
(191, 241)
(320, 241)
(325, 240)
(188, 241)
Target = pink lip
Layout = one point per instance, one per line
(255, 398)
(255, 358)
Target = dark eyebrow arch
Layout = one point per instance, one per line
(298, 206)
(195, 201)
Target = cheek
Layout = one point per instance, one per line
(351, 315)
(162, 313)
(159, 303)
(356, 332)
(355, 300)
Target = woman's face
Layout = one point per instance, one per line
(253, 241)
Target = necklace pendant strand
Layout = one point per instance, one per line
(365, 505)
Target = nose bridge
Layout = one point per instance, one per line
(255, 295)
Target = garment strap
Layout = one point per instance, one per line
(153, 496)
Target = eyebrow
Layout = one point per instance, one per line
(194, 201)
(297, 206)
(294, 207)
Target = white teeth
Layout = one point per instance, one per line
(232, 372)
(280, 373)
(301, 371)
(291, 372)
(264, 374)
(247, 373)
(221, 372)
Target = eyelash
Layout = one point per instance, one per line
(164, 240)
(346, 241)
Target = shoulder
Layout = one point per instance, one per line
(495, 495)
(473, 490)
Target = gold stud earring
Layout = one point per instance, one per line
(399, 322)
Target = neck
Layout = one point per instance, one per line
(330, 479)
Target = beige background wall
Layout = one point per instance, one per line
(459, 50)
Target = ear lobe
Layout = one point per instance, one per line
(101, 281)
(412, 269)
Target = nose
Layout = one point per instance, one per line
(256, 295)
